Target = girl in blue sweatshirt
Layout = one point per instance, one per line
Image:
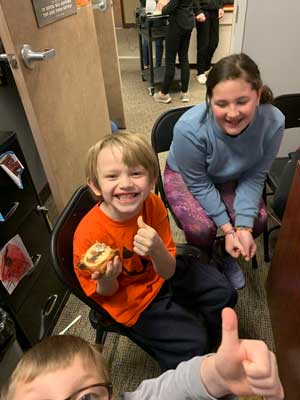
(221, 152)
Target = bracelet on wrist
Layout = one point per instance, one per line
(230, 232)
(243, 228)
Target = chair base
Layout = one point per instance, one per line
(266, 242)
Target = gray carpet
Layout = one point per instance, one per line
(129, 364)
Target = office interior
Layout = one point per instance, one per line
(59, 107)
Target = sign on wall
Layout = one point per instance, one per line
(48, 11)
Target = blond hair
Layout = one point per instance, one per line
(54, 352)
(136, 151)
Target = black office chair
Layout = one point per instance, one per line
(280, 176)
(62, 256)
(289, 105)
(161, 139)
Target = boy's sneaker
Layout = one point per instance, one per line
(231, 269)
(201, 79)
(207, 72)
(185, 97)
(162, 98)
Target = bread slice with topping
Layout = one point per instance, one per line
(97, 257)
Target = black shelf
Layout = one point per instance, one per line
(37, 301)
(152, 27)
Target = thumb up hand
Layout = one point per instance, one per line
(245, 367)
(146, 239)
(141, 223)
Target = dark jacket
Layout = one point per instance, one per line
(182, 12)
(203, 5)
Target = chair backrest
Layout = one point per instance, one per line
(282, 191)
(282, 171)
(62, 245)
(289, 105)
(161, 139)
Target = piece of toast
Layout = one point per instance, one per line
(96, 258)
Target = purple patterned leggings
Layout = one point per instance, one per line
(198, 228)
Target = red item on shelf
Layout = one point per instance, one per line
(15, 264)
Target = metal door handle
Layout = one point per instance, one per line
(10, 58)
(100, 5)
(30, 56)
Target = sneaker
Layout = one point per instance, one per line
(185, 97)
(162, 98)
(233, 271)
(201, 79)
(207, 72)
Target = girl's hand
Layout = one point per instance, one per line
(201, 17)
(147, 241)
(246, 239)
(233, 246)
(113, 270)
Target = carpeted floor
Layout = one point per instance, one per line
(129, 364)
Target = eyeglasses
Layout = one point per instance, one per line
(98, 391)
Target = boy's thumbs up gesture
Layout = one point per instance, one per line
(241, 367)
(146, 240)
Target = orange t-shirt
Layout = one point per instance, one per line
(138, 282)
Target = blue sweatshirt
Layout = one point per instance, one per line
(205, 156)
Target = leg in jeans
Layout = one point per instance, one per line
(170, 332)
(184, 319)
(184, 60)
(203, 289)
(172, 45)
(202, 45)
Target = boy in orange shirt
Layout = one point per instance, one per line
(171, 305)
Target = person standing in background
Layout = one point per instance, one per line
(159, 45)
(208, 13)
(181, 24)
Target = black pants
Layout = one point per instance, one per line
(184, 319)
(207, 40)
(177, 42)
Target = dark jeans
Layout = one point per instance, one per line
(184, 319)
(177, 42)
(207, 40)
(159, 49)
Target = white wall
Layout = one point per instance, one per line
(269, 32)
(271, 38)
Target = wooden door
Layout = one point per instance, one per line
(64, 96)
(105, 28)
